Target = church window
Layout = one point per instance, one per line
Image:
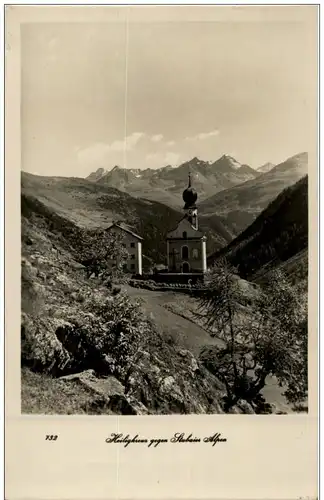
(185, 252)
(184, 234)
(132, 245)
(133, 256)
(195, 253)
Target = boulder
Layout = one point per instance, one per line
(245, 407)
(110, 391)
(191, 361)
(242, 407)
(109, 387)
(122, 405)
(235, 410)
(171, 392)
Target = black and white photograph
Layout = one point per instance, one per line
(164, 213)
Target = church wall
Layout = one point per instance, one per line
(194, 258)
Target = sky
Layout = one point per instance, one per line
(149, 94)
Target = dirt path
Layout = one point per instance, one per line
(184, 332)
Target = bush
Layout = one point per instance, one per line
(106, 336)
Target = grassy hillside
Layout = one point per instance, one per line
(277, 235)
(91, 205)
(240, 205)
(296, 268)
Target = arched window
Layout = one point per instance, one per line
(184, 235)
(185, 252)
(195, 253)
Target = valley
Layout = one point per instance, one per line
(64, 312)
(56, 294)
(91, 206)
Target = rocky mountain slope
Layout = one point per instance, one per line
(239, 206)
(92, 205)
(278, 235)
(166, 184)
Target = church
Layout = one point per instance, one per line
(186, 245)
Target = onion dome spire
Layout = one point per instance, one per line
(189, 195)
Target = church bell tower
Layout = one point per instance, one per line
(189, 196)
(186, 244)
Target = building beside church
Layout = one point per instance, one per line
(186, 244)
(133, 244)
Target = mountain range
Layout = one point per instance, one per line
(235, 192)
(166, 184)
(153, 211)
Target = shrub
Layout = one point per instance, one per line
(107, 335)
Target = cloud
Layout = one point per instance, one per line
(134, 138)
(157, 138)
(100, 151)
(203, 136)
(208, 135)
(162, 159)
(153, 156)
(93, 154)
(127, 144)
(171, 158)
(170, 143)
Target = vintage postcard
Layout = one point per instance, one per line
(161, 252)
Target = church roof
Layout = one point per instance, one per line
(193, 233)
(125, 228)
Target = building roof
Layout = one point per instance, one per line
(125, 228)
(198, 234)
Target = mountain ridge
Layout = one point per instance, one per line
(277, 235)
(239, 205)
(166, 184)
